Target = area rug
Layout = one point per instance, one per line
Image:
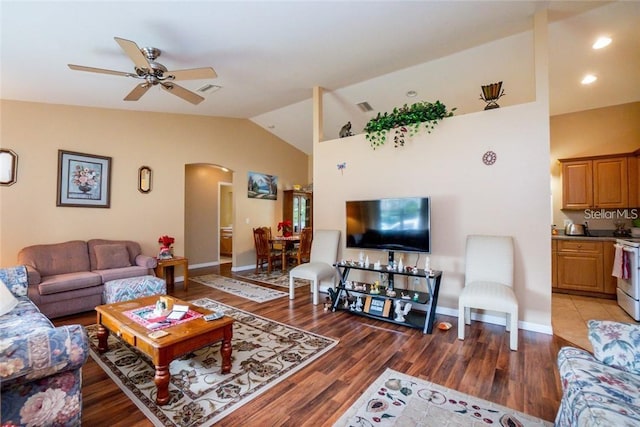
(264, 353)
(239, 288)
(276, 278)
(396, 399)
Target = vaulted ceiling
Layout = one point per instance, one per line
(269, 55)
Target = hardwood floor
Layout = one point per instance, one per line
(482, 365)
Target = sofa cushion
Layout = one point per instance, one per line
(25, 306)
(616, 344)
(122, 273)
(133, 248)
(16, 326)
(111, 256)
(58, 258)
(68, 282)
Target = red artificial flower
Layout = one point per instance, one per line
(285, 225)
(166, 240)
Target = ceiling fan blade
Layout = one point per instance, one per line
(137, 92)
(193, 74)
(183, 93)
(99, 70)
(134, 52)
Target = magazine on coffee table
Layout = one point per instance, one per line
(148, 317)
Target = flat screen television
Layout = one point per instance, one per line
(400, 224)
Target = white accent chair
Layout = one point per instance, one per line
(489, 282)
(324, 253)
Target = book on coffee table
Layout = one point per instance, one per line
(178, 312)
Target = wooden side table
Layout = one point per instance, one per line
(166, 270)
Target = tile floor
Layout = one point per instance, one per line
(570, 313)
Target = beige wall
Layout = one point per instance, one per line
(607, 130)
(165, 142)
(509, 198)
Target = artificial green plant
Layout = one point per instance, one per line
(405, 120)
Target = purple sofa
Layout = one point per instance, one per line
(67, 278)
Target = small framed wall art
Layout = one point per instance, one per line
(84, 180)
(262, 186)
(377, 306)
(144, 179)
(8, 167)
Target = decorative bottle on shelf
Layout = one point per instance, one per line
(366, 261)
(400, 266)
(427, 265)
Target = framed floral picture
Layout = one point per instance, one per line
(84, 180)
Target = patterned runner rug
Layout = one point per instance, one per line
(239, 288)
(264, 353)
(402, 400)
(276, 278)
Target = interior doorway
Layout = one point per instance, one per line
(202, 222)
(225, 221)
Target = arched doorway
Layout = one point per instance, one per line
(202, 215)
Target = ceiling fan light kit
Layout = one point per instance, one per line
(153, 73)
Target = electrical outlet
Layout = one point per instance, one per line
(567, 222)
(416, 281)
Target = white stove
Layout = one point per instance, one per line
(627, 269)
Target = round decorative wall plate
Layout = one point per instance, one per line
(489, 158)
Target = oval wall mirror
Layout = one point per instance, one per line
(8, 167)
(144, 179)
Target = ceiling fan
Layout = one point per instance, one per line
(153, 73)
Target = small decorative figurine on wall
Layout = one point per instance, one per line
(490, 94)
(346, 130)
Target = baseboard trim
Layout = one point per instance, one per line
(243, 267)
(204, 264)
(498, 320)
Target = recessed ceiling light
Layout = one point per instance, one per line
(224, 169)
(588, 79)
(601, 42)
(412, 94)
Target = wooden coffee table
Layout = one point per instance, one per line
(182, 339)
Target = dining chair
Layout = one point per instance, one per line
(265, 253)
(302, 252)
(489, 282)
(319, 269)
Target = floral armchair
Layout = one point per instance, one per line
(602, 389)
(40, 365)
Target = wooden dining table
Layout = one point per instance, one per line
(287, 243)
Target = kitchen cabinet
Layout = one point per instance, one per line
(597, 182)
(583, 267)
(226, 241)
(554, 264)
(297, 207)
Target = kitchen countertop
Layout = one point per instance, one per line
(602, 235)
(595, 238)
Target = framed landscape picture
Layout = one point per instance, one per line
(262, 186)
(83, 180)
